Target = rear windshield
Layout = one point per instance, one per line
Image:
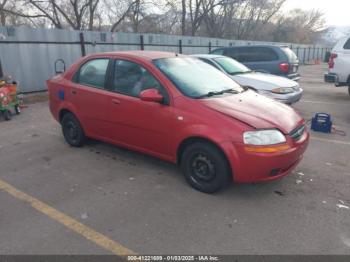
(347, 44)
(290, 54)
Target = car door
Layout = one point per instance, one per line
(89, 95)
(138, 124)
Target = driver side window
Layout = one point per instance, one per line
(131, 78)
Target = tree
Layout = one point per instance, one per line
(75, 14)
(219, 20)
(299, 26)
(234, 19)
(2, 12)
(252, 15)
(116, 11)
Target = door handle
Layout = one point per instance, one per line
(74, 92)
(116, 101)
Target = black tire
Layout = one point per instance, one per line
(17, 110)
(205, 167)
(7, 115)
(349, 89)
(72, 130)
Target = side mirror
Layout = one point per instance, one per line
(151, 95)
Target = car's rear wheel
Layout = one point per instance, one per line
(72, 130)
(205, 167)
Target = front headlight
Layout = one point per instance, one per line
(263, 137)
(283, 90)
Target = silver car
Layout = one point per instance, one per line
(279, 88)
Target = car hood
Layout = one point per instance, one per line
(255, 110)
(264, 81)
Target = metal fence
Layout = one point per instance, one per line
(29, 54)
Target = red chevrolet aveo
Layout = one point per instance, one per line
(182, 110)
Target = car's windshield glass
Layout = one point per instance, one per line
(231, 66)
(195, 78)
(290, 54)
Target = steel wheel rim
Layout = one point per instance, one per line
(72, 131)
(202, 168)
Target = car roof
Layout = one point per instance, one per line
(208, 56)
(270, 46)
(148, 55)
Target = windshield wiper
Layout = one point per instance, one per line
(217, 93)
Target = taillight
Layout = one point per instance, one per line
(332, 57)
(284, 67)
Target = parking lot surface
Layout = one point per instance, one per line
(55, 199)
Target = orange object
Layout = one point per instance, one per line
(267, 149)
(10, 90)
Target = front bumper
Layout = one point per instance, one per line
(288, 99)
(259, 167)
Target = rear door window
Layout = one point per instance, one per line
(235, 53)
(252, 54)
(93, 73)
(347, 44)
(263, 54)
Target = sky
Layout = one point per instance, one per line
(336, 11)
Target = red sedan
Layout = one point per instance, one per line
(182, 110)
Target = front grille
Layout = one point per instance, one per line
(297, 133)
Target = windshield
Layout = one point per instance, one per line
(195, 78)
(290, 54)
(231, 66)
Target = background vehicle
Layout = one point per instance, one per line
(339, 64)
(275, 60)
(276, 87)
(182, 110)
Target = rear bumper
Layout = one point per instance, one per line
(261, 167)
(294, 77)
(331, 78)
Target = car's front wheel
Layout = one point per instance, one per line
(205, 167)
(72, 130)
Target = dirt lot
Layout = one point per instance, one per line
(127, 201)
